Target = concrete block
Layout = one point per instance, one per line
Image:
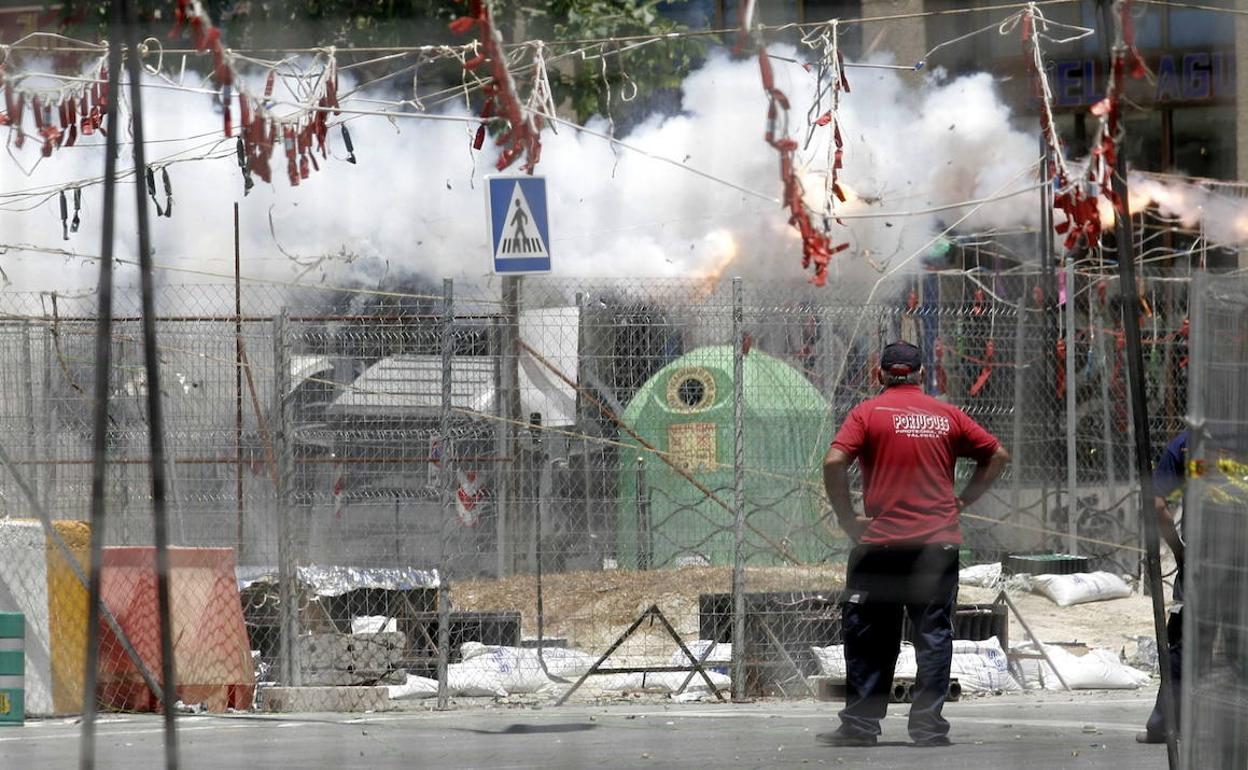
(287, 700)
(349, 652)
(332, 677)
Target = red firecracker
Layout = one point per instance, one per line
(522, 136)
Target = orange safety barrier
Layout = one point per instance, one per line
(212, 655)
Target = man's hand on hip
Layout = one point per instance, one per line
(855, 527)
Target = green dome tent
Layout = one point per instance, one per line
(686, 410)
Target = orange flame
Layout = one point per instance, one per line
(1137, 201)
(724, 249)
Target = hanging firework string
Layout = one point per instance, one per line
(260, 127)
(61, 107)
(1078, 196)
(522, 134)
(1104, 155)
(830, 82)
(817, 250)
(1082, 220)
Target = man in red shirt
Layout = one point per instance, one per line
(905, 555)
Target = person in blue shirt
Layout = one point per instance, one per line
(1169, 477)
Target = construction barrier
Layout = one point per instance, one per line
(12, 668)
(37, 581)
(212, 656)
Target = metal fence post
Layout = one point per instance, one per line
(738, 493)
(1072, 437)
(643, 516)
(512, 547)
(1016, 442)
(445, 481)
(1100, 325)
(28, 395)
(287, 564)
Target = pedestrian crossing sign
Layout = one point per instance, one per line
(519, 230)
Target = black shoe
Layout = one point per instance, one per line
(839, 738)
(1147, 737)
(934, 742)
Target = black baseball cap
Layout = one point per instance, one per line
(901, 358)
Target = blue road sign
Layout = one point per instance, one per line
(519, 230)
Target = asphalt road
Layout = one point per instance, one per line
(1038, 732)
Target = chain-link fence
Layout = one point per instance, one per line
(1214, 641)
(475, 490)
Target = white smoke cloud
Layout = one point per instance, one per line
(414, 205)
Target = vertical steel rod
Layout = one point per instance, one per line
(511, 414)
(287, 562)
(738, 491)
(502, 432)
(1072, 437)
(51, 444)
(445, 488)
(28, 395)
(155, 408)
(1099, 322)
(103, 366)
(1139, 399)
(238, 391)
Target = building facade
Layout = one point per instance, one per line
(1187, 117)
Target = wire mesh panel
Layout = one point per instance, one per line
(1215, 621)
(520, 477)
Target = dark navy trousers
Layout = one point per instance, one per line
(881, 583)
(1174, 640)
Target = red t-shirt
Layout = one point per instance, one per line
(906, 443)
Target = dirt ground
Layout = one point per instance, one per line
(590, 609)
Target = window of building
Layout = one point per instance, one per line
(1204, 141)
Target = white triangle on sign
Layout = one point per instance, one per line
(520, 237)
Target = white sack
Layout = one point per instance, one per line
(832, 662)
(907, 666)
(1081, 587)
(720, 655)
(518, 669)
(664, 681)
(1097, 670)
(415, 687)
(982, 575)
(473, 681)
(982, 667)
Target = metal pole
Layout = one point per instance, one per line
(287, 563)
(444, 641)
(539, 468)
(28, 395)
(103, 369)
(582, 422)
(501, 431)
(447, 332)
(51, 443)
(1016, 444)
(238, 391)
(642, 514)
(511, 414)
(1139, 402)
(1111, 472)
(1197, 631)
(151, 365)
(1072, 437)
(1048, 273)
(738, 491)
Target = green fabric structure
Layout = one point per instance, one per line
(686, 409)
